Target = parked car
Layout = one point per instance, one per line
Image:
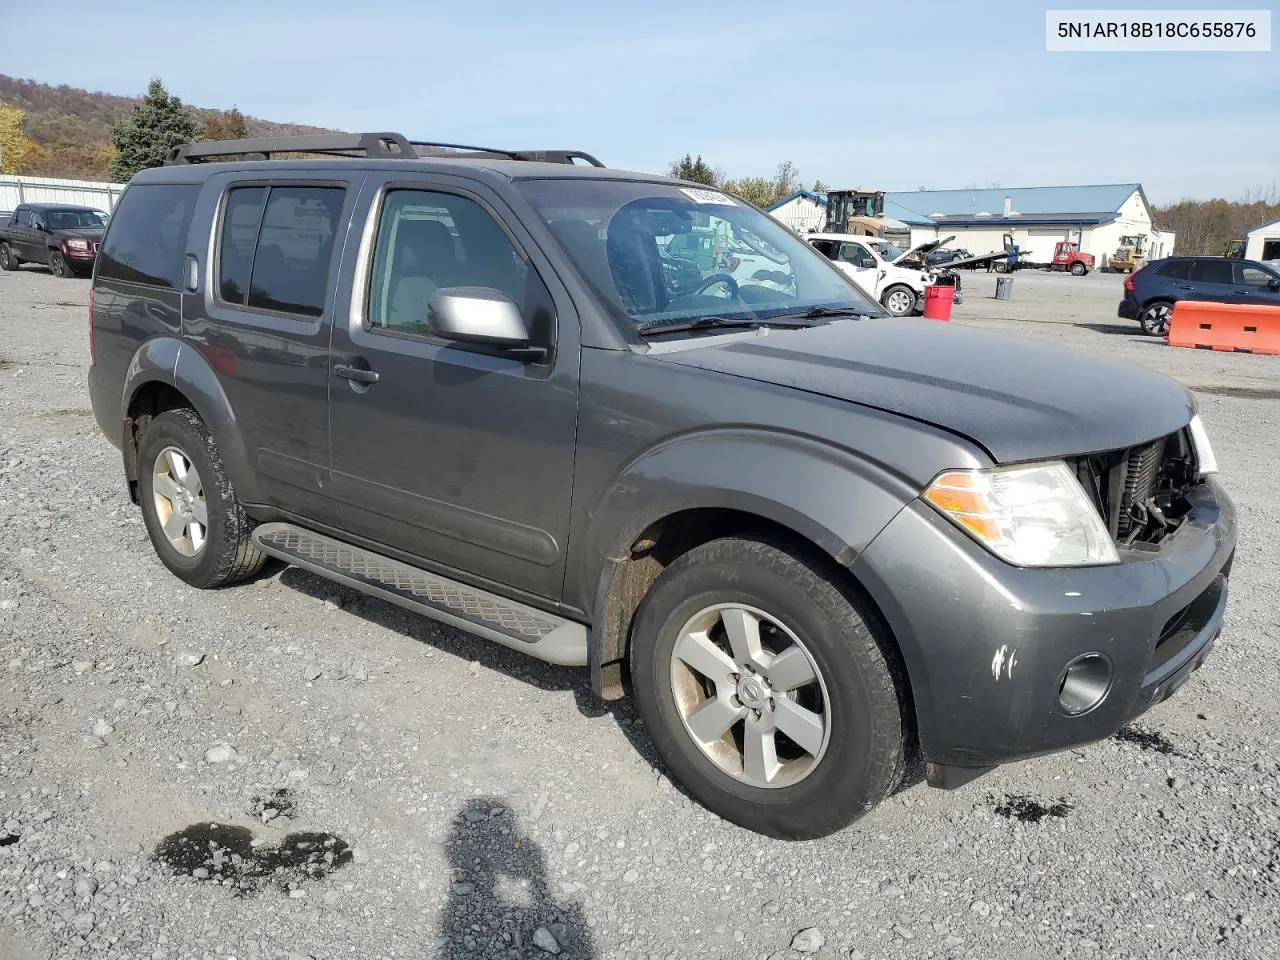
(807, 538)
(1151, 291)
(873, 264)
(944, 256)
(63, 237)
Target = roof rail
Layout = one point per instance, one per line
(381, 146)
(371, 145)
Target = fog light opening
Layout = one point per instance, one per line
(1085, 683)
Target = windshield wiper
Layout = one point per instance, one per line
(696, 323)
(815, 313)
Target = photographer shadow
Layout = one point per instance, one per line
(499, 904)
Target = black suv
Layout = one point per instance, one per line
(809, 539)
(1151, 291)
(63, 237)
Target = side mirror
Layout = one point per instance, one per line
(481, 316)
(1273, 284)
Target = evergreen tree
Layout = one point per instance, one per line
(697, 170)
(158, 124)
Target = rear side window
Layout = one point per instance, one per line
(148, 235)
(1178, 270)
(276, 247)
(1212, 271)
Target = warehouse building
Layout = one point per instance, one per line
(1096, 216)
(1263, 243)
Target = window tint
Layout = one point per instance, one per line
(1253, 276)
(1178, 270)
(239, 235)
(148, 234)
(856, 254)
(1211, 271)
(295, 246)
(429, 240)
(825, 247)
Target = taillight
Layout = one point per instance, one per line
(93, 356)
(1128, 281)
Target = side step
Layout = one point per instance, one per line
(512, 624)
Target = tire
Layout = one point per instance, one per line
(1154, 318)
(58, 265)
(1078, 269)
(8, 259)
(206, 555)
(855, 693)
(1000, 266)
(899, 300)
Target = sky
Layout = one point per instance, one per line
(897, 95)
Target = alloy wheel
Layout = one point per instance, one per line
(178, 496)
(750, 695)
(1156, 319)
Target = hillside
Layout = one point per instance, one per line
(73, 126)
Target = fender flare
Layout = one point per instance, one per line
(826, 495)
(176, 364)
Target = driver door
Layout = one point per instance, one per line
(858, 263)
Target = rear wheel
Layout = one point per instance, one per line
(58, 264)
(899, 300)
(196, 524)
(767, 690)
(8, 259)
(1155, 318)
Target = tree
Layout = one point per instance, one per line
(226, 125)
(18, 152)
(158, 123)
(760, 191)
(786, 181)
(819, 187)
(697, 170)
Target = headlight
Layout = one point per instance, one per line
(78, 244)
(1033, 515)
(1205, 459)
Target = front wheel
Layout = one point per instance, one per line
(58, 265)
(8, 259)
(899, 300)
(1078, 269)
(1001, 267)
(196, 524)
(1155, 319)
(767, 689)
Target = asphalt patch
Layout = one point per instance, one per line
(1147, 740)
(225, 855)
(8, 840)
(1028, 810)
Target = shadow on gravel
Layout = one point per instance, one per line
(1243, 393)
(499, 904)
(1123, 329)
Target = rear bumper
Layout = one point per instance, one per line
(1128, 309)
(987, 645)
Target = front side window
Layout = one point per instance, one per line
(429, 240)
(148, 235)
(856, 254)
(620, 234)
(1211, 271)
(75, 220)
(276, 247)
(1253, 276)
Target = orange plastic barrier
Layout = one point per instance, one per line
(1229, 327)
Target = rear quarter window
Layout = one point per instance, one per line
(147, 236)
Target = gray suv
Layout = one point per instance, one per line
(809, 539)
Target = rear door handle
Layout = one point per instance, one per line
(355, 373)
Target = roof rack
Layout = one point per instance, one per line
(380, 146)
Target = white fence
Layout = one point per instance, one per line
(83, 193)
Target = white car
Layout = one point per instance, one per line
(872, 264)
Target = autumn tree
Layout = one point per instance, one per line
(226, 125)
(18, 152)
(696, 169)
(159, 122)
(760, 191)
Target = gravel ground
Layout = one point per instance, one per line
(286, 769)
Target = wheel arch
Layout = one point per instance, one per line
(165, 374)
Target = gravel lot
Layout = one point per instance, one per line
(387, 787)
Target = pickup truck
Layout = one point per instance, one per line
(64, 238)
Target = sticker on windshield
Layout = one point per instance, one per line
(707, 196)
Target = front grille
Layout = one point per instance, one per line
(1141, 491)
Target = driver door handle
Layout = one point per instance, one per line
(355, 373)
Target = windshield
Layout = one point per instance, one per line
(659, 252)
(888, 251)
(74, 219)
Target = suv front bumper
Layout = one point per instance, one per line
(987, 645)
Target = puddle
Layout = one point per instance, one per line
(278, 803)
(223, 854)
(8, 840)
(1147, 740)
(1027, 810)
(1245, 393)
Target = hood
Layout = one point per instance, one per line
(1019, 399)
(78, 233)
(920, 249)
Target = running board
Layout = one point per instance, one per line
(512, 624)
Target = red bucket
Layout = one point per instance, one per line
(938, 300)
